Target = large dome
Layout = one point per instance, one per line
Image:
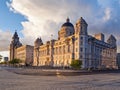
(67, 29)
(67, 23)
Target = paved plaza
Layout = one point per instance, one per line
(12, 81)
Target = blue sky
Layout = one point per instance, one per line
(41, 18)
(9, 20)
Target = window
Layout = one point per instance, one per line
(85, 49)
(56, 50)
(81, 49)
(81, 38)
(81, 56)
(76, 50)
(81, 42)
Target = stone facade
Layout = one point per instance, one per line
(74, 43)
(25, 53)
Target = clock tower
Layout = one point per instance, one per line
(15, 43)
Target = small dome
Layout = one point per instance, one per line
(67, 24)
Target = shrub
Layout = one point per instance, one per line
(76, 64)
(3, 62)
(0, 57)
(15, 61)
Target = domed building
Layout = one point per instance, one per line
(66, 30)
(74, 43)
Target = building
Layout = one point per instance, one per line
(74, 43)
(25, 53)
(6, 59)
(118, 60)
(3, 59)
(22, 52)
(15, 43)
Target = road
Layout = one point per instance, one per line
(12, 81)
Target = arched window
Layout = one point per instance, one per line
(60, 49)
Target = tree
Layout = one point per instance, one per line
(76, 64)
(0, 57)
(15, 61)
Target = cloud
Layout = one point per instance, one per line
(107, 14)
(45, 17)
(5, 40)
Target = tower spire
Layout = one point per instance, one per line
(67, 20)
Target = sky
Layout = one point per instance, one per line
(4, 54)
(41, 18)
